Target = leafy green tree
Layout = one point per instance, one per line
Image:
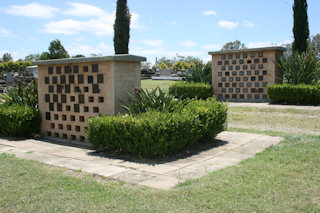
(6, 57)
(78, 56)
(56, 50)
(192, 60)
(163, 66)
(235, 45)
(32, 57)
(44, 56)
(200, 73)
(1, 67)
(167, 61)
(300, 26)
(181, 65)
(11, 66)
(22, 65)
(122, 28)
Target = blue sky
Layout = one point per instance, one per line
(158, 28)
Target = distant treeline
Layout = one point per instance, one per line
(12, 66)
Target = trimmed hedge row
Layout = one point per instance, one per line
(17, 120)
(191, 90)
(294, 94)
(157, 133)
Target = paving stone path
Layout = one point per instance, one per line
(232, 148)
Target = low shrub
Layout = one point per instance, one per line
(17, 120)
(142, 101)
(191, 90)
(157, 133)
(294, 94)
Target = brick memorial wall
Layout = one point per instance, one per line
(243, 75)
(72, 90)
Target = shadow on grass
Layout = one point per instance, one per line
(183, 154)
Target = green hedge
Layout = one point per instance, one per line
(17, 120)
(294, 94)
(191, 90)
(157, 133)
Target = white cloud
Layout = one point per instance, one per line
(86, 50)
(140, 51)
(171, 22)
(83, 10)
(135, 21)
(267, 44)
(187, 43)
(4, 32)
(213, 46)
(153, 43)
(228, 24)
(190, 53)
(207, 58)
(209, 13)
(32, 10)
(100, 24)
(163, 52)
(72, 27)
(32, 38)
(80, 38)
(247, 23)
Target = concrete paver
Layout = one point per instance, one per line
(134, 176)
(186, 173)
(205, 167)
(111, 170)
(161, 182)
(159, 169)
(231, 148)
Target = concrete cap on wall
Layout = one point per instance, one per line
(275, 48)
(123, 57)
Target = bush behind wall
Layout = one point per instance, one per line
(17, 120)
(191, 90)
(294, 94)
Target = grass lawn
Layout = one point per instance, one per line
(281, 120)
(283, 178)
(151, 84)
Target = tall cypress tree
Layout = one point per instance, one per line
(300, 26)
(122, 28)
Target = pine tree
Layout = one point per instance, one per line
(300, 26)
(122, 28)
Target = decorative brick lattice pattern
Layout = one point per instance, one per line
(242, 76)
(72, 95)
